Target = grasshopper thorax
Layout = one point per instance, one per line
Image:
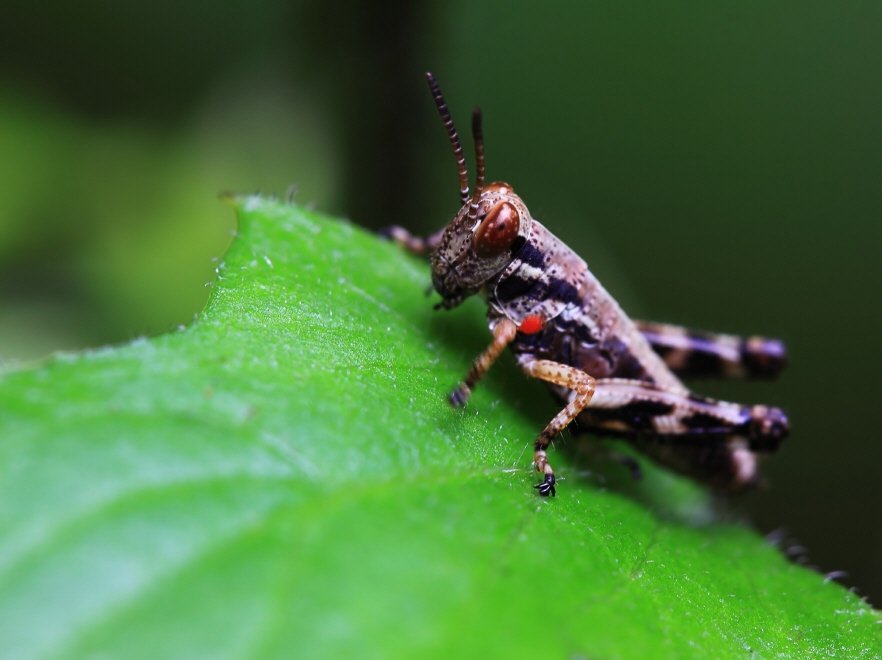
(479, 242)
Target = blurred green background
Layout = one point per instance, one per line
(718, 164)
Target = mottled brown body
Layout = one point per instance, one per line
(636, 393)
(613, 375)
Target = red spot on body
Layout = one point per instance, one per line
(531, 325)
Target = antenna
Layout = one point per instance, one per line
(454, 138)
(478, 134)
(478, 137)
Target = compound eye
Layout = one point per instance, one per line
(498, 231)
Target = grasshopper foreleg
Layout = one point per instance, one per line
(503, 334)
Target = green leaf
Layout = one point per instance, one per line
(284, 478)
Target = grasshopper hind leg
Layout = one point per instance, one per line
(716, 442)
(699, 354)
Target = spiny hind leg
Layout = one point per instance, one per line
(582, 387)
(714, 441)
(633, 407)
(696, 353)
(412, 243)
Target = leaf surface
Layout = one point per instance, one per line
(285, 478)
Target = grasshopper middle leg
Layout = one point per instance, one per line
(582, 387)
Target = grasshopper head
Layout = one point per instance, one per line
(479, 242)
(489, 229)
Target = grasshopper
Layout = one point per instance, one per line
(615, 376)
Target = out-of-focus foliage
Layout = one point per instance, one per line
(111, 231)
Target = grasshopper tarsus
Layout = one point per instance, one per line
(460, 396)
(546, 486)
